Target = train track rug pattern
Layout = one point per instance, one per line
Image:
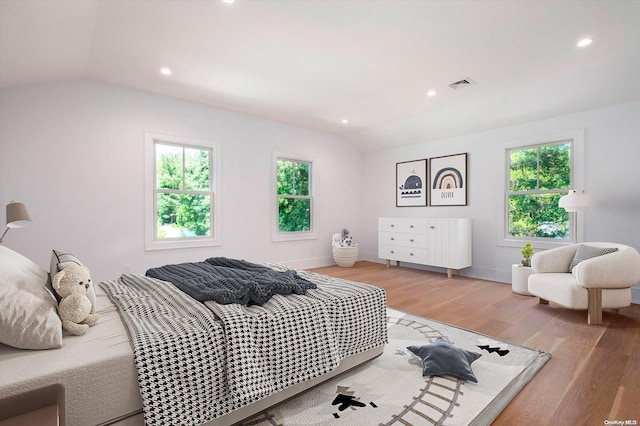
(391, 390)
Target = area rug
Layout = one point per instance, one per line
(391, 389)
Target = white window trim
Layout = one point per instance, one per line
(577, 182)
(150, 242)
(276, 235)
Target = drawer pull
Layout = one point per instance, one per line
(392, 225)
(410, 254)
(392, 238)
(392, 251)
(432, 227)
(410, 226)
(411, 240)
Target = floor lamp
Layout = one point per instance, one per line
(576, 200)
(17, 217)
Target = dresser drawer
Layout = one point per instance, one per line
(410, 225)
(440, 242)
(402, 253)
(403, 239)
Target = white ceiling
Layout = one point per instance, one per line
(316, 62)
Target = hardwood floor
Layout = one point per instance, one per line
(594, 372)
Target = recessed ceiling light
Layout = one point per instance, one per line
(431, 93)
(165, 71)
(584, 42)
(345, 121)
(228, 1)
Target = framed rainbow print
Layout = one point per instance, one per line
(411, 183)
(448, 183)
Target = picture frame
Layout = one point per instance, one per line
(448, 180)
(412, 185)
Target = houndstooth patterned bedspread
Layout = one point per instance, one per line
(195, 364)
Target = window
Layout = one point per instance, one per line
(181, 197)
(537, 175)
(294, 198)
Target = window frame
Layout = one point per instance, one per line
(276, 234)
(215, 179)
(576, 179)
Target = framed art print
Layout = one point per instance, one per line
(411, 183)
(448, 185)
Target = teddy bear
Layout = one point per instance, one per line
(74, 309)
(347, 240)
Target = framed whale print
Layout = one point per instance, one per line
(448, 183)
(411, 183)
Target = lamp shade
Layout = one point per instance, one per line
(575, 200)
(17, 215)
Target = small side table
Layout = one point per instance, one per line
(38, 407)
(520, 279)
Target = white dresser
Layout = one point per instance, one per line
(441, 242)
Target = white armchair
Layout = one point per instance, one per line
(595, 283)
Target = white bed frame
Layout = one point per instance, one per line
(263, 404)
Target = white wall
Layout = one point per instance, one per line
(73, 153)
(612, 161)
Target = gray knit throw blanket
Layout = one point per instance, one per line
(231, 281)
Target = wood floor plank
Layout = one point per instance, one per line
(594, 372)
(626, 405)
(591, 394)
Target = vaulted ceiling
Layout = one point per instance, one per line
(315, 63)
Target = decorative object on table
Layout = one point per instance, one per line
(72, 284)
(520, 273)
(410, 398)
(527, 252)
(589, 276)
(411, 183)
(17, 217)
(345, 251)
(575, 201)
(346, 240)
(448, 180)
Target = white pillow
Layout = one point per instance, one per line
(28, 311)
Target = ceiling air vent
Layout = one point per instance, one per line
(461, 83)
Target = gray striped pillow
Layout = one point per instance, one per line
(587, 252)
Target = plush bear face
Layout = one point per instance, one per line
(72, 280)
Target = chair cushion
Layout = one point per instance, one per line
(564, 289)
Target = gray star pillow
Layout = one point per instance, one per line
(440, 358)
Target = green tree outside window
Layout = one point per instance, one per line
(183, 191)
(538, 177)
(294, 195)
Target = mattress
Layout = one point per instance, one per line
(96, 369)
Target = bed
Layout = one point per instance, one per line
(125, 363)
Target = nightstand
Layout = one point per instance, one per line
(520, 279)
(39, 407)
